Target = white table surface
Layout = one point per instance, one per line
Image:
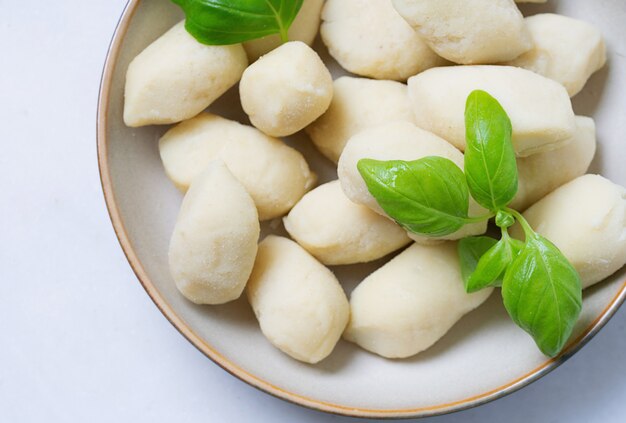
(80, 341)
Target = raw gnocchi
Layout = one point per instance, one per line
(358, 103)
(586, 220)
(407, 305)
(566, 50)
(369, 38)
(542, 173)
(304, 28)
(214, 244)
(469, 32)
(275, 175)
(176, 77)
(286, 90)
(398, 141)
(539, 108)
(337, 231)
(301, 308)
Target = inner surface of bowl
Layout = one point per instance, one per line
(482, 357)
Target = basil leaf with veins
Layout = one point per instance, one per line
(221, 22)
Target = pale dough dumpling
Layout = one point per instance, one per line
(301, 308)
(586, 220)
(566, 50)
(542, 173)
(531, 1)
(398, 141)
(411, 302)
(540, 109)
(337, 231)
(304, 28)
(286, 90)
(369, 38)
(469, 31)
(275, 175)
(358, 103)
(214, 243)
(176, 77)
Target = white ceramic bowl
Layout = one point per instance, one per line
(482, 358)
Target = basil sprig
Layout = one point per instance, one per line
(221, 22)
(541, 290)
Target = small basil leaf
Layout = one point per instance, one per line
(542, 293)
(220, 22)
(504, 219)
(470, 250)
(492, 265)
(490, 164)
(427, 196)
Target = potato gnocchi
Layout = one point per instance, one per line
(358, 104)
(300, 305)
(369, 38)
(275, 175)
(337, 231)
(214, 243)
(408, 304)
(176, 77)
(539, 108)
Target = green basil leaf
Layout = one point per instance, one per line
(427, 196)
(221, 22)
(492, 266)
(490, 164)
(542, 293)
(470, 250)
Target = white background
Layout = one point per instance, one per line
(80, 341)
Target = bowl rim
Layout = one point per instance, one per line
(222, 361)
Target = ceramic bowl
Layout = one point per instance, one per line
(482, 358)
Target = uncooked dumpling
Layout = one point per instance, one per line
(407, 305)
(540, 109)
(299, 303)
(542, 173)
(286, 90)
(370, 38)
(337, 231)
(469, 31)
(586, 220)
(358, 103)
(275, 175)
(566, 50)
(176, 77)
(214, 243)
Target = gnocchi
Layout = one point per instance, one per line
(337, 231)
(176, 77)
(539, 108)
(358, 103)
(369, 38)
(542, 173)
(275, 175)
(407, 305)
(286, 90)
(566, 50)
(586, 220)
(301, 308)
(469, 32)
(214, 244)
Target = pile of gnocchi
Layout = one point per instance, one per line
(412, 64)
